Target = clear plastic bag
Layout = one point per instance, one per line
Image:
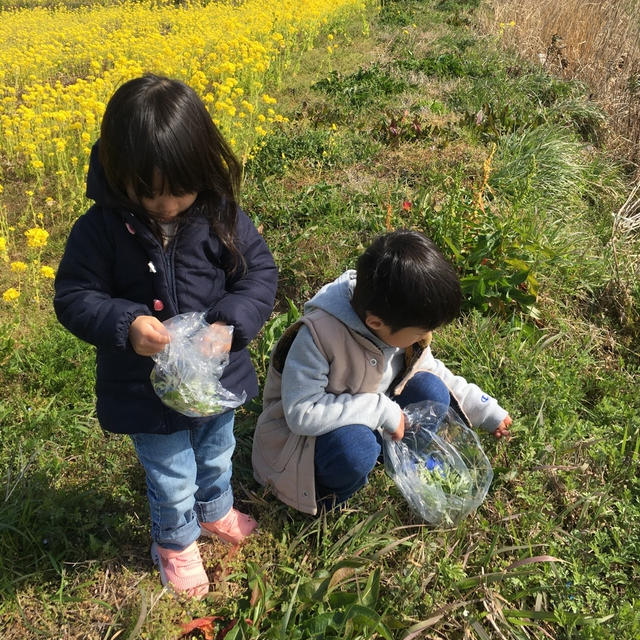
(439, 465)
(187, 372)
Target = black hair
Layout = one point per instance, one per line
(404, 279)
(155, 125)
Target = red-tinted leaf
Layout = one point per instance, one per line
(206, 625)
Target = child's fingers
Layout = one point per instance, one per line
(398, 434)
(217, 339)
(148, 335)
(155, 333)
(502, 432)
(159, 334)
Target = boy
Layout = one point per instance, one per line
(340, 376)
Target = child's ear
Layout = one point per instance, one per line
(373, 322)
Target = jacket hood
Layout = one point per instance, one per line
(335, 298)
(98, 188)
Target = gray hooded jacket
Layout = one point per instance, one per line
(311, 411)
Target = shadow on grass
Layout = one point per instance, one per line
(48, 532)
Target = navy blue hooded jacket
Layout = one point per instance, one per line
(115, 269)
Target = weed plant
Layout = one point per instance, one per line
(506, 173)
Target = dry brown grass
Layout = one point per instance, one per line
(597, 43)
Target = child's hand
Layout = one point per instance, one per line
(398, 434)
(148, 335)
(503, 429)
(217, 340)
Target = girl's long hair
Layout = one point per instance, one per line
(156, 126)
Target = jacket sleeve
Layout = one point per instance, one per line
(311, 411)
(481, 409)
(83, 299)
(248, 301)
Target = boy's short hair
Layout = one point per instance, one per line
(404, 279)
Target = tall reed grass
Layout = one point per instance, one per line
(597, 43)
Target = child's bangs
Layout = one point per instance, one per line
(181, 170)
(173, 169)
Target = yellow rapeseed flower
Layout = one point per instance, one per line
(47, 272)
(3, 244)
(11, 295)
(36, 237)
(224, 50)
(18, 266)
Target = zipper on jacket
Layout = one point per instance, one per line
(168, 256)
(168, 261)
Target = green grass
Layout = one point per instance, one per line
(422, 124)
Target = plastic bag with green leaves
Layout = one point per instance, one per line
(439, 465)
(186, 375)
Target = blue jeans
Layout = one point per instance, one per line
(345, 456)
(188, 478)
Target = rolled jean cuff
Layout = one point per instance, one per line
(178, 538)
(215, 509)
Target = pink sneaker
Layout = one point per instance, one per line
(233, 528)
(183, 570)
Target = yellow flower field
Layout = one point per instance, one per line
(58, 68)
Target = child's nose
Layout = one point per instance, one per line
(168, 208)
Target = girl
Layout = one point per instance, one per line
(166, 236)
